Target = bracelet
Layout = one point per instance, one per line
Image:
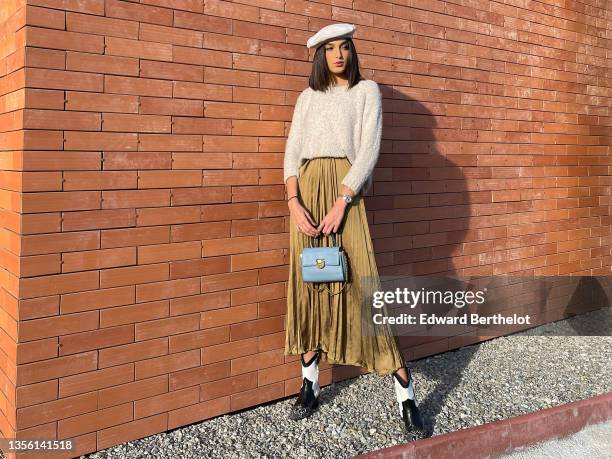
(291, 198)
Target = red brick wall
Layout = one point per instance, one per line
(12, 81)
(144, 241)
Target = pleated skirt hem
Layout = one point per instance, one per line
(326, 356)
(340, 325)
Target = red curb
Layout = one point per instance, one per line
(503, 436)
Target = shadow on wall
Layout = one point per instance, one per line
(426, 215)
(420, 213)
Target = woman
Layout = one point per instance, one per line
(331, 151)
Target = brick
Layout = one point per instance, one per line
(167, 364)
(64, 40)
(208, 57)
(140, 49)
(201, 374)
(39, 307)
(34, 394)
(228, 281)
(96, 339)
(95, 380)
(236, 177)
(197, 339)
(139, 428)
(101, 63)
(198, 412)
(43, 17)
(225, 246)
(107, 103)
(93, 422)
(258, 293)
(39, 349)
(169, 179)
(56, 368)
(226, 351)
(141, 13)
(57, 409)
(135, 198)
(271, 341)
(96, 140)
(88, 7)
(170, 289)
(226, 9)
(171, 71)
(98, 259)
(226, 316)
(98, 219)
(215, 109)
(61, 160)
(96, 299)
(166, 327)
(190, 125)
(126, 160)
(57, 326)
(169, 142)
(167, 252)
(134, 313)
(228, 386)
(201, 231)
(171, 35)
(165, 402)
(257, 396)
(264, 360)
(202, 91)
(179, 107)
(131, 391)
(256, 327)
(136, 86)
(195, 303)
(179, 5)
(99, 25)
(185, 196)
(132, 352)
(278, 373)
(189, 20)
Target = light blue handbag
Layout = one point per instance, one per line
(324, 264)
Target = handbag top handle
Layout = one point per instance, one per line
(333, 236)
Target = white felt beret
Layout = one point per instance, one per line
(330, 32)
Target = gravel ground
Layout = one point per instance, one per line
(485, 382)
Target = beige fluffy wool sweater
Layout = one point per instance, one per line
(338, 122)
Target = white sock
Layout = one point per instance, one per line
(404, 393)
(311, 372)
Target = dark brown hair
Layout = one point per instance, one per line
(321, 77)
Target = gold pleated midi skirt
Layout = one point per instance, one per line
(339, 325)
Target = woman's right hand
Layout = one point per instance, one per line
(302, 219)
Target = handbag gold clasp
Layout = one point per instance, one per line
(320, 263)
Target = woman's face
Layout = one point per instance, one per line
(337, 54)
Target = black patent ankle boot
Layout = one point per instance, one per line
(408, 405)
(308, 399)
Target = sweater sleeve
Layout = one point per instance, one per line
(369, 148)
(293, 144)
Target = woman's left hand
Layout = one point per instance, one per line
(332, 220)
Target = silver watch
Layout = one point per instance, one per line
(347, 198)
